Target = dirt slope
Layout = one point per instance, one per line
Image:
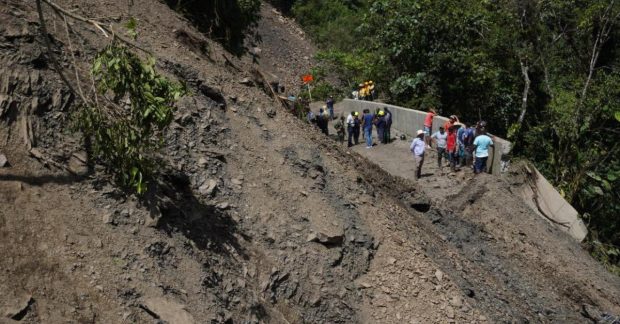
(258, 217)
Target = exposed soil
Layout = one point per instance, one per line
(256, 217)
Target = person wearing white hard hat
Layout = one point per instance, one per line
(417, 148)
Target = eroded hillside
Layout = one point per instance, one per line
(257, 217)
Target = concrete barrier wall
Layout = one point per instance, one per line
(408, 121)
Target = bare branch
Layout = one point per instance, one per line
(77, 75)
(50, 53)
(102, 27)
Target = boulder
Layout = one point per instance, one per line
(3, 161)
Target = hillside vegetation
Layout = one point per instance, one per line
(544, 74)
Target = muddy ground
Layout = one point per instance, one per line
(256, 217)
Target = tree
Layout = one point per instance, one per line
(130, 108)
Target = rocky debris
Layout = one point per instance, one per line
(271, 111)
(246, 81)
(78, 164)
(108, 218)
(167, 310)
(439, 275)
(20, 309)
(223, 205)
(208, 188)
(3, 161)
(193, 41)
(333, 238)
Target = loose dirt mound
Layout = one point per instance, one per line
(257, 217)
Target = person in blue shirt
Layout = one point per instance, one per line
(380, 125)
(418, 146)
(367, 120)
(461, 144)
(330, 107)
(468, 142)
(481, 151)
(356, 127)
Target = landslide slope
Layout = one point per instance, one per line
(257, 217)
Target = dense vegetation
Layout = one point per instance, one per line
(543, 73)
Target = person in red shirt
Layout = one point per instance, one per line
(451, 122)
(451, 147)
(428, 125)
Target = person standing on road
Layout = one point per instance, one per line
(367, 126)
(468, 141)
(339, 126)
(440, 138)
(330, 107)
(350, 126)
(356, 127)
(380, 125)
(417, 148)
(453, 120)
(460, 144)
(451, 147)
(322, 120)
(481, 147)
(388, 125)
(428, 125)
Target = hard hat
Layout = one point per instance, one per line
(356, 114)
(366, 83)
(420, 132)
(361, 84)
(381, 112)
(370, 81)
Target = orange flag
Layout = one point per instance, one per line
(307, 78)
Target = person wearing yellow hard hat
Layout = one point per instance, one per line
(371, 90)
(380, 125)
(356, 127)
(363, 91)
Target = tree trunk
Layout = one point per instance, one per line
(526, 90)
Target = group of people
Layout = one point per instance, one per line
(365, 91)
(461, 145)
(381, 119)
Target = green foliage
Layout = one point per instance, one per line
(131, 26)
(125, 133)
(331, 23)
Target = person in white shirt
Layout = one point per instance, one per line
(417, 148)
(350, 126)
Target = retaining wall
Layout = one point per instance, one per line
(409, 121)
